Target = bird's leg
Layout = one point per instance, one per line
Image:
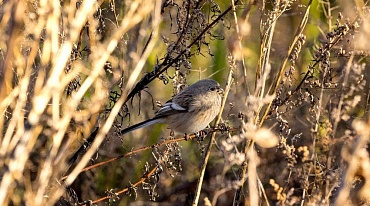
(187, 137)
(172, 134)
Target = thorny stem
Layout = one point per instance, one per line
(146, 80)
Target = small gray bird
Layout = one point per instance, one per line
(189, 111)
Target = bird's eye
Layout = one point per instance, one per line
(213, 89)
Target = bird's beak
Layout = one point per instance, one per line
(220, 91)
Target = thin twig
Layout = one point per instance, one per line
(286, 59)
(208, 150)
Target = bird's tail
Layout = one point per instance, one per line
(140, 125)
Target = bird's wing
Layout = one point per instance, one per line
(170, 108)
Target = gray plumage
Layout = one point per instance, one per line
(189, 111)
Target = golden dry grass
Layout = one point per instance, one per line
(294, 128)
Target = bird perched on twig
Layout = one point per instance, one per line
(189, 111)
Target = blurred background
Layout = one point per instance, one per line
(294, 129)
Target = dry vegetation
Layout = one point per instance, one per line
(294, 128)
